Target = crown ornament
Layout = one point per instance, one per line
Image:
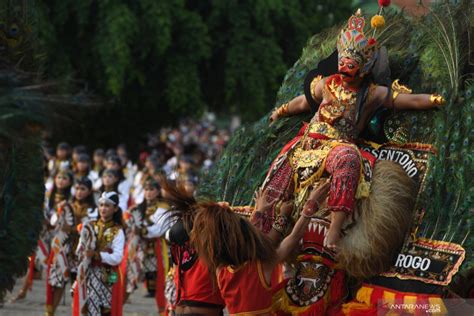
(352, 42)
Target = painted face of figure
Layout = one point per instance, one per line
(106, 211)
(348, 68)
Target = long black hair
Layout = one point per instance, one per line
(116, 159)
(85, 181)
(116, 174)
(113, 196)
(54, 191)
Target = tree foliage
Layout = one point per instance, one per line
(180, 56)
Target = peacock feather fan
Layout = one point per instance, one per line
(428, 54)
(21, 179)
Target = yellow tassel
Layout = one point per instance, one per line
(363, 188)
(351, 306)
(364, 294)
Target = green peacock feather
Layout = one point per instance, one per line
(429, 54)
(26, 105)
(21, 188)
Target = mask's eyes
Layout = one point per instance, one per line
(351, 66)
(341, 63)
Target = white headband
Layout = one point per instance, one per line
(106, 198)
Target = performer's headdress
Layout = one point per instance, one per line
(352, 43)
(109, 198)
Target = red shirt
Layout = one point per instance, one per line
(195, 285)
(245, 290)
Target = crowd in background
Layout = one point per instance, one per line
(180, 154)
(82, 183)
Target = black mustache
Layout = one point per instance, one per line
(347, 74)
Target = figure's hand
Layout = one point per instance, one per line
(286, 208)
(263, 202)
(319, 193)
(274, 116)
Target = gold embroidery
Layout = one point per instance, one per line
(338, 109)
(106, 233)
(80, 210)
(309, 158)
(340, 93)
(313, 85)
(324, 128)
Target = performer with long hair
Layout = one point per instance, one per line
(61, 260)
(195, 290)
(84, 210)
(54, 199)
(244, 258)
(147, 252)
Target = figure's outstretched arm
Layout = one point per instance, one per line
(295, 106)
(417, 101)
(299, 104)
(407, 101)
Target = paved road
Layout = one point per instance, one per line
(33, 304)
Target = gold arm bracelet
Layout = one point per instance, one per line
(437, 99)
(283, 110)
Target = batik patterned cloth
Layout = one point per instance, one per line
(58, 265)
(149, 262)
(99, 292)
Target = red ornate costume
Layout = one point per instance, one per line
(325, 145)
(194, 286)
(244, 290)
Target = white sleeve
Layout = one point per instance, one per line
(139, 195)
(116, 256)
(124, 193)
(162, 222)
